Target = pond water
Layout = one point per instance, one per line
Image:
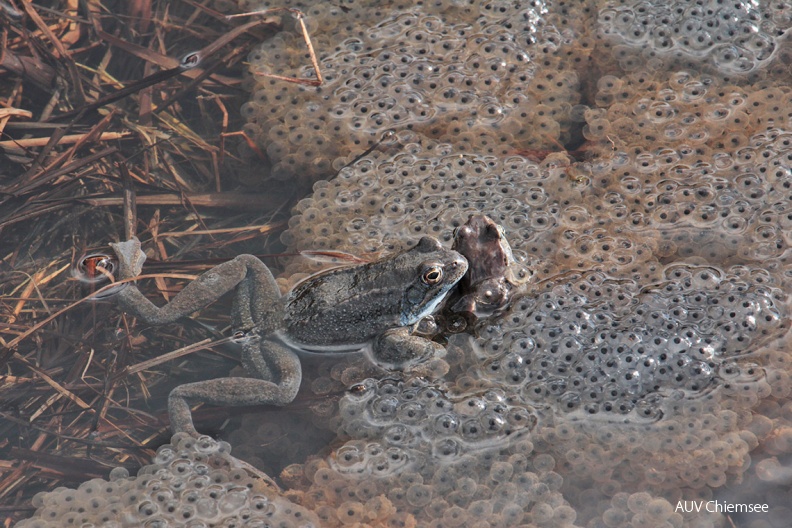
(639, 157)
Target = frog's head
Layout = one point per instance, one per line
(435, 270)
(484, 244)
(493, 274)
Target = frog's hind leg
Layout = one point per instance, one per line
(257, 301)
(241, 271)
(261, 359)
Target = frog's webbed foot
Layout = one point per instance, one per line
(486, 297)
(130, 258)
(398, 349)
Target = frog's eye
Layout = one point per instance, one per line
(357, 389)
(463, 231)
(95, 267)
(432, 275)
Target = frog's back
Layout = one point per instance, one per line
(346, 308)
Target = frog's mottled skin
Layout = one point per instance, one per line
(368, 307)
(492, 276)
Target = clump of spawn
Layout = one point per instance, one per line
(191, 482)
(643, 509)
(691, 182)
(433, 459)
(418, 457)
(592, 344)
(478, 76)
(705, 165)
(730, 38)
(418, 416)
(656, 239)
(767, 480)
(415, 186)
(694, 166)
(648, 384)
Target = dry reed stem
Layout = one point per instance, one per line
(65, 140)
(175, 354)
(15, 112)
(256, 202)
(87, 163)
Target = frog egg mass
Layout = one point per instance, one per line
(415, 71)
(658, 321)
(731, 38)
(191, 482)
(639, 157)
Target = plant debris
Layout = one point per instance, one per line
(116, 118)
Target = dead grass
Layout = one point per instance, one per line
(110, 126)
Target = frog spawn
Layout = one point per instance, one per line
(419, 416)
(735, 38)
(687, 336)
(432, 71)
(504, 489)
(191, 482)
(417, 186)
(663, 239)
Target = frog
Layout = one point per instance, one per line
(493, 276)
(370, 307)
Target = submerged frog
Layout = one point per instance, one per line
(493, 276)
(369, 307)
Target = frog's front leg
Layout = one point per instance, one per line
(399, 349)
(261, 358)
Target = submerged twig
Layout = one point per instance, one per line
(237, 200)
(42, 75)
(59, 49)
(190, 61)
(44, 177)
(300, 16)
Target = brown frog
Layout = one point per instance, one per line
(493, 275)
(371, 308)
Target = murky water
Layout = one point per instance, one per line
(657, 328)
(639, 156)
